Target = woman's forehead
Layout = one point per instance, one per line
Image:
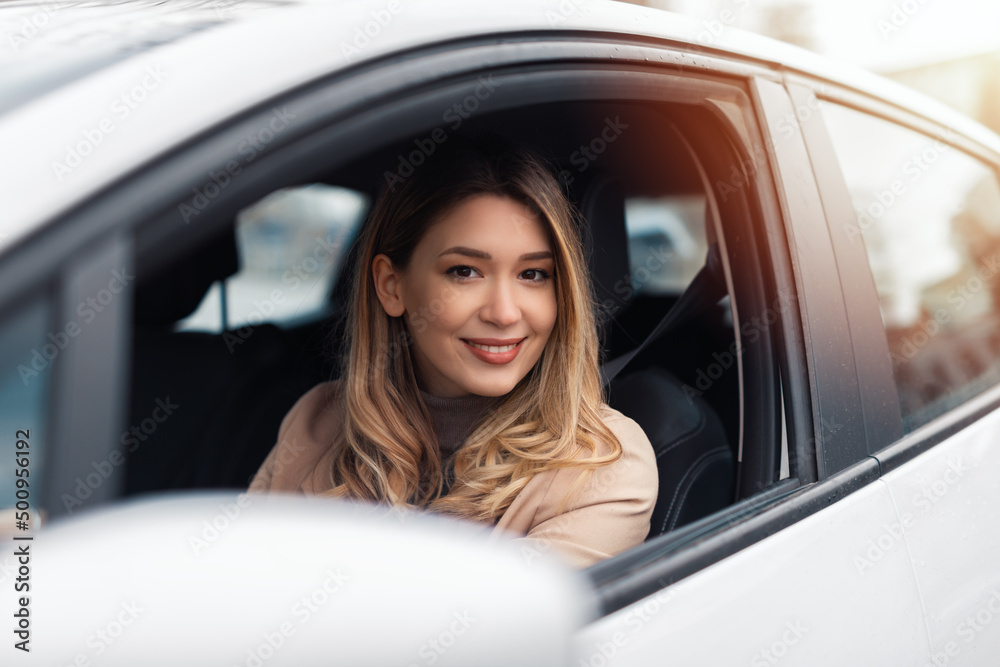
(490, 224)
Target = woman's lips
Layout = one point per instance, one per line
(496, 351)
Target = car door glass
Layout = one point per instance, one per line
(291, 245)
(28, 349)
(929, 216)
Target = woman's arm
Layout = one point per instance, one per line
(298, 446)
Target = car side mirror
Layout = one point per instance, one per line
(254, 580)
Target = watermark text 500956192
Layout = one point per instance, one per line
(22, 543)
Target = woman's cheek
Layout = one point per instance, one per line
(550, 309)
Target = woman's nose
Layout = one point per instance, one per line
(501, 307)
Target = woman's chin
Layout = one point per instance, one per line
(492, 388)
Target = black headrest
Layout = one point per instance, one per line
(175, 292)
(602, 204)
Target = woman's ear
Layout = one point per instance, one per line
(387, 286)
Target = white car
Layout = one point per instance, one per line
(805, 258)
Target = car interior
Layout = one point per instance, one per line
(647, 224)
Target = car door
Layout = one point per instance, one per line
(792, 579)
(921, 201)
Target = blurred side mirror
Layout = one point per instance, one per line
(215, 579)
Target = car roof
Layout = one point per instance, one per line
(66, 64)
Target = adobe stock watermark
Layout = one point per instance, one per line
(637, 618)
(588, 153)
(602, 478)
(223, 8)
(302, 271)
(262, 309)
(640, 273)
(299, 273)
(286, 452)
(33, 25)
(967, 630)
(454, 116)
(751, 330)
(912, 170)
(365, 34)
(899, 15)
(302, 611)
(89, 310)
(121, 109)
(418, 321)
(928, 328)
(783, 130)
(714, 28)
(248, 149)
(212, 529)
(434, 648)
(771, 655)
(131, 439)
(104, 637)
(564, 11)
(925, 500)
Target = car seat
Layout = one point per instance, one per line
(694, 459)
(230, 389)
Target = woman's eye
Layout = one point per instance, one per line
(535, 275)
(462, 272)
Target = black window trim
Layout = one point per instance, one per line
(879, 398)
(899, 450)
(652, 566)
(838, 433)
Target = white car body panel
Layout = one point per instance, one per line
(948, 499)
(799, 597)
(200, 90)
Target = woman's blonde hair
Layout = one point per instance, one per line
(548, 421)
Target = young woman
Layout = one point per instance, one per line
(471, 383)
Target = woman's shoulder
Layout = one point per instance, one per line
(313, 414)
(633, 439)
(634, 472)
(305, 436)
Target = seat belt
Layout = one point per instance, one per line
(705, 290)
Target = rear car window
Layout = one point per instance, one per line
(929, 216)
(671, 231)
(291, 246)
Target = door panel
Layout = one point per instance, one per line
(834, 589)
(947, 500)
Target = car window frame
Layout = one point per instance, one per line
(894, 448)
(142, 210)
(539, 80)
(80, 418)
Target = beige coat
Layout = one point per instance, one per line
(609, 516)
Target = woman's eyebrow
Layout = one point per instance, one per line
(480, 254)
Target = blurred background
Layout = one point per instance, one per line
(948, 50)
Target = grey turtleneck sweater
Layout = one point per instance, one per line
(453, 420)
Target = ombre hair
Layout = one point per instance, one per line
(549, 420)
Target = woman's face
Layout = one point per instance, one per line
(478, 296)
